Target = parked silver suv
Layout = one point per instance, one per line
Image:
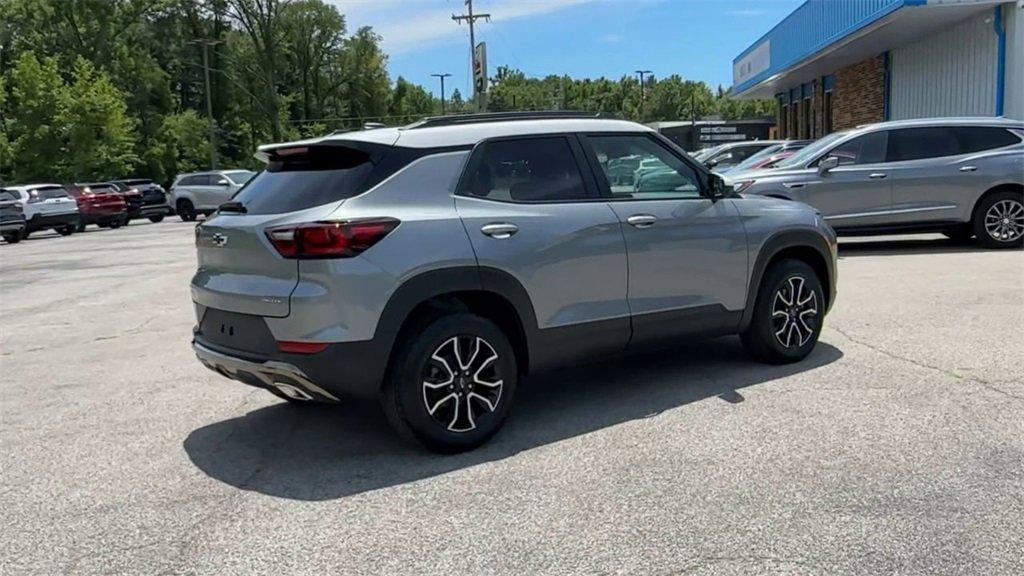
(960, 176)
(202, 192)
(433, 266)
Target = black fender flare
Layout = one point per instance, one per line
(774, 245)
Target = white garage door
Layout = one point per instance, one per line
(949, 73)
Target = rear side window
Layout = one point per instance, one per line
(526, 170)
(316, 176)
(5, 195)
(978, 138)
(866, 149)
(198, 180)
(919, 143)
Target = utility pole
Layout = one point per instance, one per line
(442, 77)
(206, 43)
(471, 18)
(641, 74)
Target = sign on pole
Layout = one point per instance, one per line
(480, 74)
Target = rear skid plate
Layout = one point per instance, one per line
(281, 376)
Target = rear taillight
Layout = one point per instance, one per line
(301, 347)
(329, 239)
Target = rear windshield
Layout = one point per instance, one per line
(318, 176)
(5, 195)
(48, 193)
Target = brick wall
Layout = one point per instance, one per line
(860, 94)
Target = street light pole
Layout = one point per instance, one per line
(442, 77)
(641, 74)
(206, 43)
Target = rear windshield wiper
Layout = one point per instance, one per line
(233, 206)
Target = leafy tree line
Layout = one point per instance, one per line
(99, 89)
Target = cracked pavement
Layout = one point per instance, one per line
(897, 447)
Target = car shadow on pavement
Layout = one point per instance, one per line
(905, 247)
(323, 452)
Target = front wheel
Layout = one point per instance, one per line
(13, 237)
(451, 383)
(788, 314)
(186, 211)
(999, 220)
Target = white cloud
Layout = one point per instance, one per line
(746, 13)
(407, 25)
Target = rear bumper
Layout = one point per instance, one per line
(94, 214)
(12, 225)
(41, 222)
(343, 370)
(147, 210)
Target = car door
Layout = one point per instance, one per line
(687, 252)
(221, 189)
(857, 191)
(935, 170)
(531, 214)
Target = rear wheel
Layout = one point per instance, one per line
(999, 220)
(80, 227)
(67, 230)
(788, 314)
(186, 211)
(155, 219)
(117, 222)
(13, 237)
(451, 382)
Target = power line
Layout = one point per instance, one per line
(206, 43)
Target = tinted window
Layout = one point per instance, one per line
(5, 195)
(198, 180)
(638, 167)
(918, 143)
(527, 170)
(866, 149)
(978, 138)
(240, 177)
(318, 176)
(49, 193)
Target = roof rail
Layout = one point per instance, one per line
(459, 119)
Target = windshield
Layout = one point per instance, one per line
(702, 155)
(812, 150)
(757, 158)
(240, 177)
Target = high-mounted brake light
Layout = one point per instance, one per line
(329, 239)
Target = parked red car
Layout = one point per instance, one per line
(99, 203)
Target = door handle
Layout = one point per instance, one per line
(642, 220)
(968, 168)
(876, 175)
(499, 229)
(793, 184)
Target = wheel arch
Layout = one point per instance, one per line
(804, 245)
(487, 292)
(1003, 187)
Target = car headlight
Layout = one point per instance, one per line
(742, 185)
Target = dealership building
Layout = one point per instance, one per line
(835, 64)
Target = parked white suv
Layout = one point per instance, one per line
(202, 192)
(47, 206)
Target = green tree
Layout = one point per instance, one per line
(36, 141)
(184, 144)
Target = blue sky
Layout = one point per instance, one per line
(696, 39)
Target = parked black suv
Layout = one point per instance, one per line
(145, 199)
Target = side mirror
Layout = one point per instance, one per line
(826, 165)
(223, 182)
(718, 188)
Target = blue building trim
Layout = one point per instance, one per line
(812, 28)
(997, 22)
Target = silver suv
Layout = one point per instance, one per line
(960, 176)
(433, 266)
(202, 192)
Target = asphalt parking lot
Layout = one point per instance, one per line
(897, 447)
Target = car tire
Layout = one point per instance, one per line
(80, 227)
(788, 314)
(13, 237)
(115, 223)
(67, 230)
(186, 211)
(450, 410)
(156, 219)
(998, 220)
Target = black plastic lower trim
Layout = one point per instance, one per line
(40, 222)
(909, 228)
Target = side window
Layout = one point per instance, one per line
(919, 143)
(978, 138)
(866, 149)
(7, 196)
(637, 167)
(526, 170)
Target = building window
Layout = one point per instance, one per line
(783, 119)
(805, 131)
(826, 114)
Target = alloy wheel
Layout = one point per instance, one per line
(1004, 220)
(461, 382)
(794, 312)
